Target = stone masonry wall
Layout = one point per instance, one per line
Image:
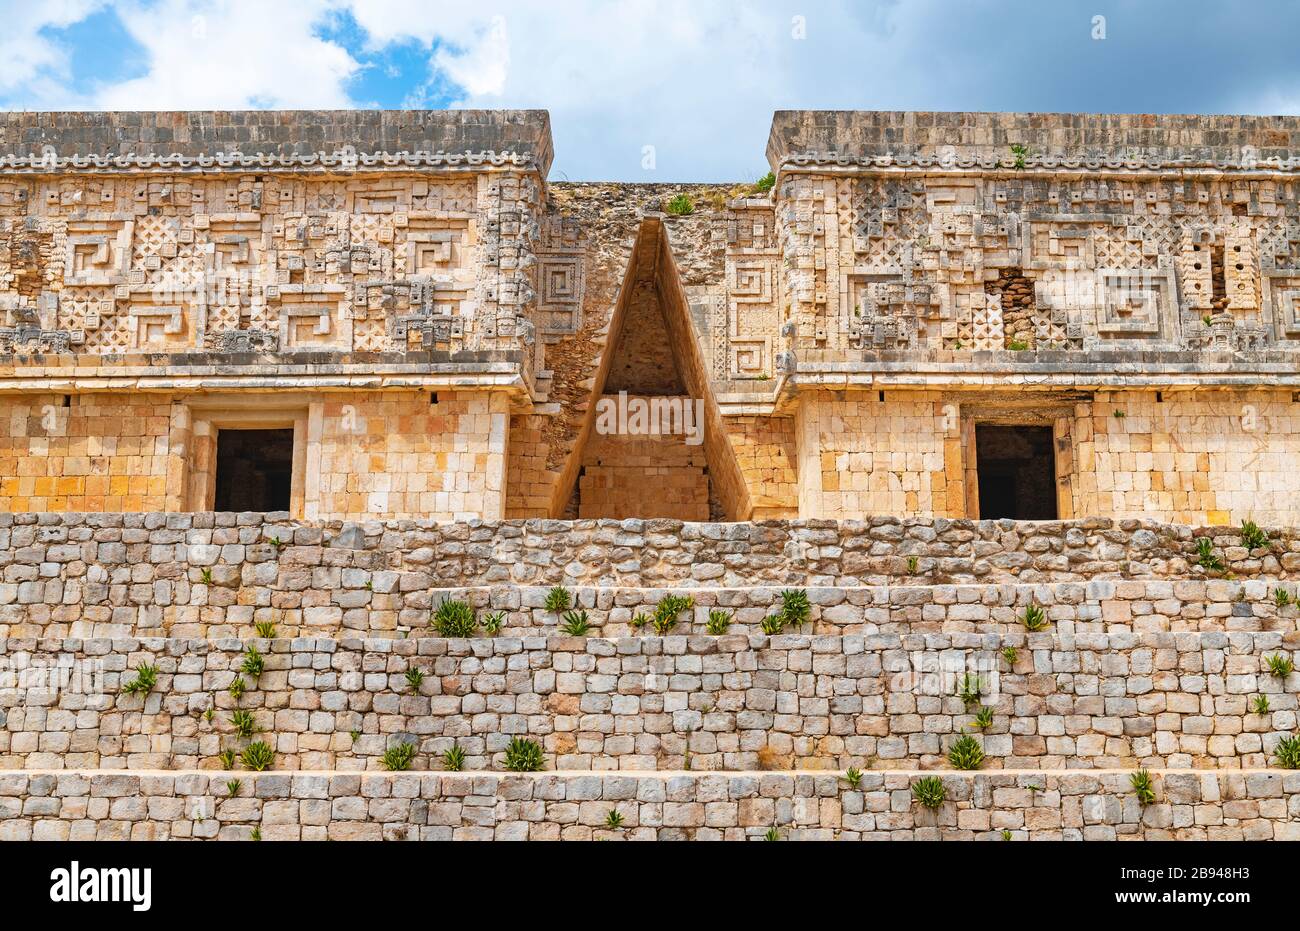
(76, 561)
(731, 702)
(655, 806)
(626, 475)
(351, 601)
(1215, 459)
(363, 454)
(1148, 660)
(96, 452)
(869, 455)
(399, 454)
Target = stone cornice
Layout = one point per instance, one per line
(330, 162)
(1038, 163)
(209, 372)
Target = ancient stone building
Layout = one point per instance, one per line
(304, 417)
(397, 315)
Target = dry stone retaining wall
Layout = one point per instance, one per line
(734, 702)
(213, 575)
(362, 603)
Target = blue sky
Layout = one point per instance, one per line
(694, 80)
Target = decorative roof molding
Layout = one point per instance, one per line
(1035, 162)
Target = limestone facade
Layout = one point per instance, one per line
(436, 321)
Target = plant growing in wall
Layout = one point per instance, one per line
(765, 183)
(1034, 618)
(1019, 152)
(254, 662)
(1006, 835)
(1205, 557)
(414, 678)
(398, 757)
(853, 776)
(232, 787)
(1017, 345)
(227, 758)
(492, 623)
(1280, 665)
(205, 576)
(772, 625)
(265, 629)
(719, 621)
(146, 678)
(680, 206)
(983, 718)
(237, 688)
(242, 722)
(928, 792)
(668, 611)
(1010, 654)
(1143, 787)
(258, 756)
(255, 834)
(1252, 538)
(558, 600)
(1260, 705)
(913, 565)
(795, 608)
(524, 755)
(969, 689)
(575, 623)
(454, 618)
(453, 758)
(639, 620)
(966, 753)
(1282, 598)
(613, 820)
(1287, 752)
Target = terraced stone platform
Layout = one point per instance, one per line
(681, 732)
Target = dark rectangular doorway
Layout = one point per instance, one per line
(254, 470)
(1017, 472)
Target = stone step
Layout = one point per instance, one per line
(730, 702)
(43, 553)
(364, 604)
(1041, 805)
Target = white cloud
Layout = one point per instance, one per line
(231, 54)
(30, 62)
(696, 79)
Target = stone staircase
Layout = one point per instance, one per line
(1145, 661)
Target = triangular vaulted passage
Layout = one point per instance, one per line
(653, 443)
